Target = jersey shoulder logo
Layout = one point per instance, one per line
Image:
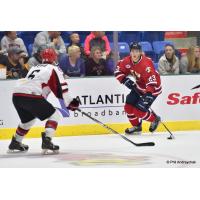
(148, 69)
(128, 66)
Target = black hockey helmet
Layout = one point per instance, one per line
(135, 45)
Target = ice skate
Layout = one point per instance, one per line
(135, 130)
(47, 146)
(16, 146)
(154, 124)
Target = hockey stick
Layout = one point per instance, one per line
(63, 110)
(115, 132)
(171, 135)
(198, 86)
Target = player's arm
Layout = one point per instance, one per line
(151, 77)
(60, 89)
(121, 74)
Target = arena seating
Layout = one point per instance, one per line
(146, 46)
(176, 34)
(155, 65)
(83, 35)
(158, 47)
(28, 36)
(151, 36)
(65, 36)
(1, 34)
(130, 36)
(152, 42)
(109, 34)
(30, 49)
(147, 49)
(123, 48)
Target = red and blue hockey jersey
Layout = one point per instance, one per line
(146, 77)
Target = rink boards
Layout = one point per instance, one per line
(103, 98)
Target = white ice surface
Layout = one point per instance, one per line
(109, 151)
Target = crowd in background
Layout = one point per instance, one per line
(93, 58)
(188, 63)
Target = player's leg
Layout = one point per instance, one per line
(22, 130)
(27, 121)
(135, 121)
(50, 128)
(142, 112)
(143, 105)
(47, 111)
(147, 116)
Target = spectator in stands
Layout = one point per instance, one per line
(36, 58)
(97, 38)
(10, 39)
(75, 40)
(14, 63)
(1, 51)
(73, 65)
(169, 62)
(95, 65)
(190, 63)
(51, 39)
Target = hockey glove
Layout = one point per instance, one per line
(73, 105)
(128, 83)
(145, 102)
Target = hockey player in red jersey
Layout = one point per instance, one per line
(29, 99)
(144, 90)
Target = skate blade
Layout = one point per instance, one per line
(10, 151)
(136, 133)
(49, 152)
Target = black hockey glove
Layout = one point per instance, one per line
(128, 83)
(73, 105)
(145, 102)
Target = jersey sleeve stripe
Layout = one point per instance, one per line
(65, 90)
(119, 76)
(64, 87)
(62, 84)
(151, 83)
(117, 73)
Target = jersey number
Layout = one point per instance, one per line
(152, 78)
(32, 75)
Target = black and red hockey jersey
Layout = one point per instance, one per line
(41, 80)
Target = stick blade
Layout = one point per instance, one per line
(145, 144)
